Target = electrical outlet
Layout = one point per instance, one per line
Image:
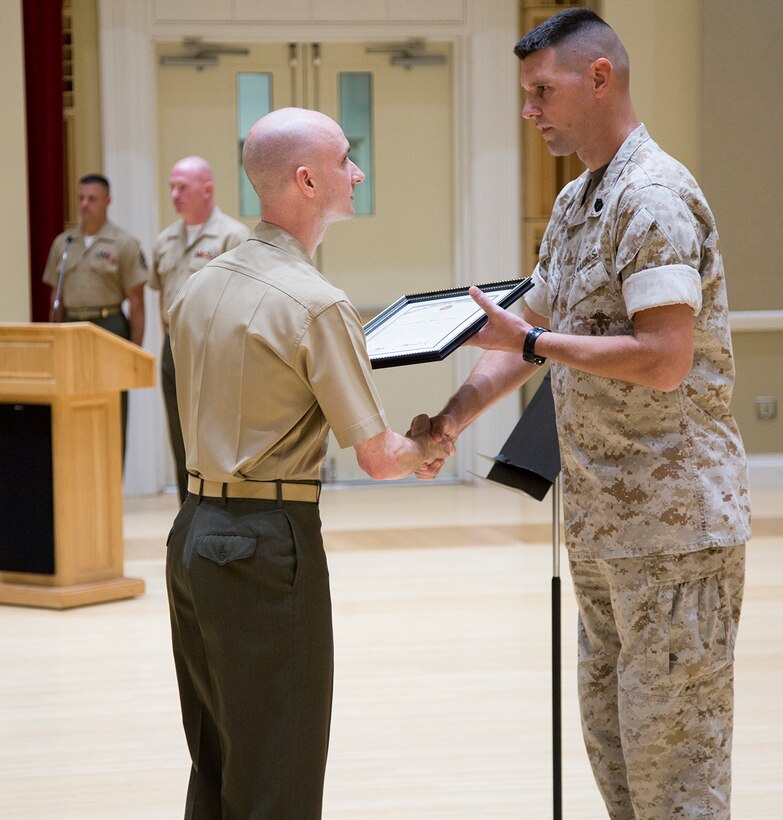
(766, 408)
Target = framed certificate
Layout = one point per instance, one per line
(426, 327)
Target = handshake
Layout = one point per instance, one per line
(503, 334)
(436, 437)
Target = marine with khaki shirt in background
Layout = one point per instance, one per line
(102, 265)
(202, 233)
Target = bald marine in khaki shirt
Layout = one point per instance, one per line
(269, 356)
(202, 233)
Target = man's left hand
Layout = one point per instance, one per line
(503, 330)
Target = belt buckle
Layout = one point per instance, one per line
(104, 313)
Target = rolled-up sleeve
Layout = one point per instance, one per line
(666, 285)
(536, 297)
(658, 253)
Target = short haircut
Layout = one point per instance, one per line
(557, 29)
(95, 179)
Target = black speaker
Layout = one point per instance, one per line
(26, 489)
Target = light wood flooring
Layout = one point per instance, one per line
(442, 690)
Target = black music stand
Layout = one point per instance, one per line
(529, 462)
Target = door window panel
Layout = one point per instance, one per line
(355, 94)
(254, 100)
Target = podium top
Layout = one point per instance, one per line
(41, 360)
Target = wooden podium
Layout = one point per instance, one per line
(61, 539)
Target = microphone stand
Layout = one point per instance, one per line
(57, 308)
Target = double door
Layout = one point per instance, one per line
(399, 122)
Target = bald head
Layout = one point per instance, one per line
(299, 164)
(283, 141)
(196, 168)
(192, 188)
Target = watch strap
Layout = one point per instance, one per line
(528, 347)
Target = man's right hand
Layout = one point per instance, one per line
(442, 431)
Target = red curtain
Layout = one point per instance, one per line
(43, 63)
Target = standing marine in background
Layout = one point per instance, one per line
(202, 233)
(101, 265)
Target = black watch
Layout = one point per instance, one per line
(528, 348)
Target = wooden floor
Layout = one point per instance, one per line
(442, 693)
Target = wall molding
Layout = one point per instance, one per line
(766, 471)
(755, 321)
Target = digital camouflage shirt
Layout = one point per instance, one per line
(645, 472)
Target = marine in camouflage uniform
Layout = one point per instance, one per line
(655, 487)
(629, 303)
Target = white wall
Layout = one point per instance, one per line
(664, 41)
(487, 211)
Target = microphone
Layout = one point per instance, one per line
(57, 309)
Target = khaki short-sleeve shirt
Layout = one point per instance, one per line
(644, 471)
(268, 356)
(174, 259)
(98, 276)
